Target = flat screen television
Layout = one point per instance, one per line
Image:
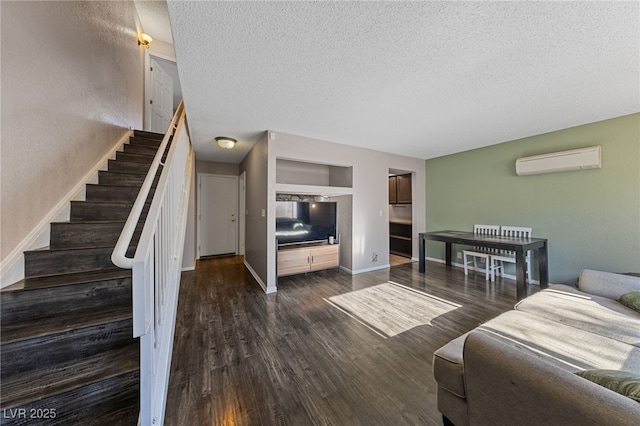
(305, 221)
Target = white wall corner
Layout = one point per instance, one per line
(271, 290)
(12, 266)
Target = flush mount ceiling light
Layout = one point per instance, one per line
(144, 40)
(225, 142)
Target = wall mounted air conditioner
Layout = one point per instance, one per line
(575, 159)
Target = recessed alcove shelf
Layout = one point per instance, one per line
(330, 191)
(299, 177)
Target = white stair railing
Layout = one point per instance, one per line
(157, 263)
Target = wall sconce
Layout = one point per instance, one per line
(225, 142)
(144, 40)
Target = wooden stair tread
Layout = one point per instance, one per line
(63, 323)
(129, 166)
(92, 222)
(47, 248)
(132, 156)
(91, 245)
(152, 135)
(125, 172)
(63, 249)
(112, 401)
(119, 172)
(111, 185)
(109, 192)
(145, 141)
(67, 249)
(67, 328)
(90, 233)
(124, 203)
(68, 279)
(123, 178)
(38, 384)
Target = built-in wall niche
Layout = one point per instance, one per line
(303, 173)
(301, 197)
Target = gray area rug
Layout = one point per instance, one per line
(391, 308)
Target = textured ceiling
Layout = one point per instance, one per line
(155, 19)
(421, 79)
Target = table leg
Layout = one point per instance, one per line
(543, 266)
(421, 254)
(448, 247)
(521, 274)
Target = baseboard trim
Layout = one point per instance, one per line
(345, 269)
(374, 268)
(266, 289)
(12, 266)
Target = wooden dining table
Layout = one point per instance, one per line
(520, 246)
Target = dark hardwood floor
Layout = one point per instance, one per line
(242, 357)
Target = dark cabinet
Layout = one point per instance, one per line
(400, 241)
(392, 190)
(400, 189)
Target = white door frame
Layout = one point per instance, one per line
(147, 84)
(199, 216)
(242, 211)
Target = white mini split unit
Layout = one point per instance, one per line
(563, 161)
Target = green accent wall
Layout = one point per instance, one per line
(590, 217)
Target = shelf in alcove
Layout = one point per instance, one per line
(400, 237)
(288, 188)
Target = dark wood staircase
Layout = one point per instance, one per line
(67, 355)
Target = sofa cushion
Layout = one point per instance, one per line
(631, 300)
(626, 383)
(507, 384)
(607, 284)
(567, 347)
(448, 368)
(600, 315)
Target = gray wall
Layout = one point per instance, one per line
(216, 168)
(345, 218)
(189, 251)
(591, 217)
(72, 85)
(255, 164)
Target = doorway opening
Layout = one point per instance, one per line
(400, 217)
(162, 91)
(217, 230)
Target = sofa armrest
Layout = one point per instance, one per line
(507, 384)
(607, 284)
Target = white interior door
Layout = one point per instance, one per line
(161, 98)
(217, 215)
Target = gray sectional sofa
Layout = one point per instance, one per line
(520, 367)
